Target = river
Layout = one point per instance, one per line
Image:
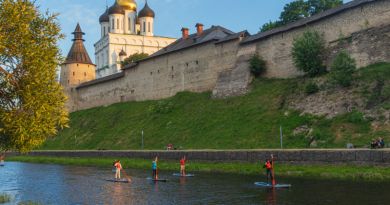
(62, 185)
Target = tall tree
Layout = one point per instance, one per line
(32, 103)
(134, 58)
(300, 9)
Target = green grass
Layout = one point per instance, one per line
(195, 121)
(348, 172)
(4, 198)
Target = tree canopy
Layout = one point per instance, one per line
(32, 103)
(134, 58)
(300, 9)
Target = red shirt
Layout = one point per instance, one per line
(118, 165)
(182, 162)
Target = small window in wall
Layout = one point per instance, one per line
(73, 73)
(149, 27)
(172, 67)
(129, 21)
(132, 91)
(104, 32)
(122, 98)
(113, 24)
(187, 64)
(117, 24)
(197, 62)
(77, 65)
(144, 27)
(151, 73)
(158, 71)
(85, 74)
(109, 29)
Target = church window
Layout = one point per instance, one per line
(104, 31)
(85, 74)
(73, 73)
(109, 29)
(117, 24)
(113, 24)
(149, 27)
(144, 27)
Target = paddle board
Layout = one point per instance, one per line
(266, 185)
(118, 181)
(179, 175)
(157, 180)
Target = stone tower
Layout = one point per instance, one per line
(77, 68)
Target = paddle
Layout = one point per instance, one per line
(273, 173)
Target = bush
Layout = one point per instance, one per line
(311, 88)
(4, 198)
(257, 65)
(342, 69)
(308, 53)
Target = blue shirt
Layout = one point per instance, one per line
(154, 165)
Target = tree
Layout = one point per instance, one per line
(134, 58)
(257, 65)
(342, 69)
(309, 53)
(32, 103)
(318, 6)
(294, 11)
(300, 9)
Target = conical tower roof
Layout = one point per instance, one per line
(78, 53)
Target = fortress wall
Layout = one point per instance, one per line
(195, 69)
(276, 49)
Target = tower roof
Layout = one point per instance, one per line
(104, 17)
(78, 53)
(128, 4)
(146, 11)
(116, 9)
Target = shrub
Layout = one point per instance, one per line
(308, 53)
(342, 69)
(257, 65)
(4, 198)
(311, 88)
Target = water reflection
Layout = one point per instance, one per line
(53, 184)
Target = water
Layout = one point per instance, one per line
(55, 184)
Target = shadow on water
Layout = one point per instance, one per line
(55, 184)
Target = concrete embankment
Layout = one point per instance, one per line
(315, 156)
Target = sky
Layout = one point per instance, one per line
(171, 16)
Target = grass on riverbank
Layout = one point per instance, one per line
(352, 172)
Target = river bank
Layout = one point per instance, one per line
(343, 172)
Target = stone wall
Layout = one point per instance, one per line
(195, 69)
(363, 156)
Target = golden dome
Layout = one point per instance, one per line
(128, 4)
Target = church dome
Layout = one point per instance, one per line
(128, 4)
(104, 17)
(116, 9)
(146, 11)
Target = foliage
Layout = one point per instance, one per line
(32, 104)
(342, 69)
(300, 9)
(257, 65)
(270, 25)
(4, 198)
(134, 58)
(161, 107)
(308, 53)
(311, 88)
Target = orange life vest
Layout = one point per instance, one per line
(268, 165)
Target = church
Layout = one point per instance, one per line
(124, 32)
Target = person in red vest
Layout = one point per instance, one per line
(118, 167)
(183, 166)
(268, 165)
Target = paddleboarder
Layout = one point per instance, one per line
(154, 168)
(2, 156)
(118, 167)
(183, 166)
(268, 165)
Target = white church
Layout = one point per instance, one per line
(125, 32)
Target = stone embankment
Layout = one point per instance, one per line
(305, 156)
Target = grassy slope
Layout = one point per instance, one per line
(349, 172)
(194, 121)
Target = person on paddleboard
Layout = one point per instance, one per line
(154, 168)
(183, 166)
(268, 165)
(2, 157)
(118, 168)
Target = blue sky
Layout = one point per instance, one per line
(171, 16)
